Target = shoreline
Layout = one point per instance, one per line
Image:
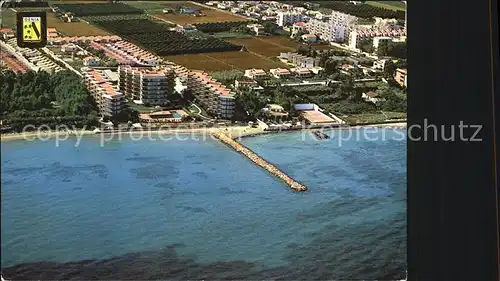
(235, 132)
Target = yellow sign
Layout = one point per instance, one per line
(32, 29)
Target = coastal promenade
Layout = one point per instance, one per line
(259, 161)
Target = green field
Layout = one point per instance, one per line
(390, 5)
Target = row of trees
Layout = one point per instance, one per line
(392, 49)
(34, 97)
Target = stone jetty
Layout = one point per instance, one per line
(293, 184)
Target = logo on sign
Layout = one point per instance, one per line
(32, 29)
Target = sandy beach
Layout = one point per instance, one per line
(234, 132)
(29, 136)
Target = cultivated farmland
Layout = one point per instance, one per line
(157, 38)
(212, 62)
(268, 46)
(272, 46)
(209, 15)
(98, 9)
(362, 10)
(218, 26)
(73, 28)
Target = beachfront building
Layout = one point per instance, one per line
(211, 94)
(288, 18)
(314, 115)
(401, 77)
(109, 100)
(274, 111)
(336, 28)
(170, 116)
(146, 85)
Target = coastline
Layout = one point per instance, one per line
(234, 132)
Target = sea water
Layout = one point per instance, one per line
(182, 209)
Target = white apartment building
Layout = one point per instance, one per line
(146, 85)
(108, 99)
(212, 95)
(336, 29)
(284, 18)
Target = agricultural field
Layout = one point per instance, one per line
(73, 28)
(69, 29)
(98, 9)
(210, 15)
(269, 46)
(214, 62)
(362, 10)
(156, 38)
(158, 6)
(116, 17)
(390, 5)
(272, 46)
(212, 27)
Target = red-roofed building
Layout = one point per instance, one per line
(91, 61)
(7, 33)
(309, 38)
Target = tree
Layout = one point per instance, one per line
(304, 50)
(270, 27)
(323, 57)
(389, 68)
(392, 49)
(366, 45)
(330, 66)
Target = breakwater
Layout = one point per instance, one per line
(293, 184)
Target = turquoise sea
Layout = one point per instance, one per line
(194, 209)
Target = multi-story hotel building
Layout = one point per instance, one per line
(284, 18)
(335, 29)
(146, 85)
(212, 95)
(107, 97)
